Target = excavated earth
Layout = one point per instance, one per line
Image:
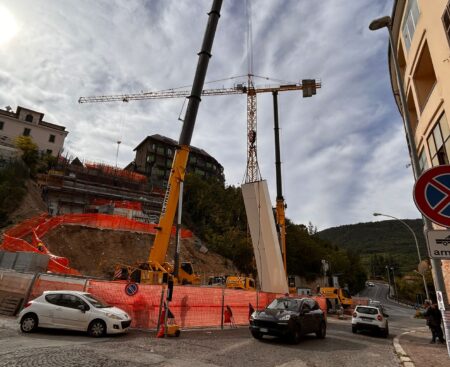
(95, 252)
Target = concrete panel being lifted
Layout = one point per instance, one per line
(266, 246)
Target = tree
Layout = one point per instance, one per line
(30, 153)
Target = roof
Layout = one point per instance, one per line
(40, 122)
(65, 291)
(169, 141)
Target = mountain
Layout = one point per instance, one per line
(389, 242)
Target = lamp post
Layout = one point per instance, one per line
(386, 22)
(424, 283)
(415, 240)
(395, 285)
(389, 280)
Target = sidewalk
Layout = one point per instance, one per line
(416, 345)
(8, 322)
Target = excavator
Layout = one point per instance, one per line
(156, 270)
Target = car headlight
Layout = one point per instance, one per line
(285, 317)
(253, 315)
(114, 317)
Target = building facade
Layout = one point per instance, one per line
(154, 156)
(25, 122)
(421, 36)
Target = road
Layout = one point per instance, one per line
(230, 347)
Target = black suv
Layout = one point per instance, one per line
(290, 318)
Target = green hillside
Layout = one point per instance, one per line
(381, 243)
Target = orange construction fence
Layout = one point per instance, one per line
(192, 307)
(37, 227)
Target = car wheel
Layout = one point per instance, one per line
(322, 332)
(296, 335)
(29, 323)
(97, 329)
(177, 333)
(354, 329)
(256, 334)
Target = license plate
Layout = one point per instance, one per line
(366, 319)
(263, 330)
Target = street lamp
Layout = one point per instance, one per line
(386, 22)
(415, 240)
(389, 280)
(395, 285)
(424, 282)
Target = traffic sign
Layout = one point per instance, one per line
(439, 244)
(131, 289)
(432, 194)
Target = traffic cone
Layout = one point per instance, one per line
(161, 330)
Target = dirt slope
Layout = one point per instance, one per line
(95, 252)
(32, 204)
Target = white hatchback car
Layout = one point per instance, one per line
(370, 318)
(73, 310)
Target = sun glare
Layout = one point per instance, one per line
(8, 25)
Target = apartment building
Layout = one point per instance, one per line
(154, 156)
(48, 137)
(421, 36)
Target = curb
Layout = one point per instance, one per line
(405, 360)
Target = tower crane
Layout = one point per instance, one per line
(308, 86)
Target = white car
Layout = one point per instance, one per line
(73, 310)
(370, 284)
(370, 318)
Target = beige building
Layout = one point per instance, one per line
(48, 137)
(421, 35)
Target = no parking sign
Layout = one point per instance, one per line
(131, 289)
(432, 195)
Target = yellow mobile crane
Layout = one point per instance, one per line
(156, 270)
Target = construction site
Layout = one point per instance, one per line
(99, 228)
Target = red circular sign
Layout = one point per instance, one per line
(432, 194)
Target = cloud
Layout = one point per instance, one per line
(343, 151)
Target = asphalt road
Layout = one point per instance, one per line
(230, 347)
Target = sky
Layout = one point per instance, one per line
(343, 151)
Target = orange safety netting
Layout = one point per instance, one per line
(133, 205)
(37, 227)
(191, 306)
(114, 171)
(56, 264)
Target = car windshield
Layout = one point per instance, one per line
(284, 304)
(96, 302)
(367, 310)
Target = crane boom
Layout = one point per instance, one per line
(173, 93)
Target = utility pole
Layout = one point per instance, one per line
(389, 280)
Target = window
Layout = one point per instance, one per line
(423, 164)
(439, 142)
(160, 150)
(51, 139)
(52, 298)
(29, 118)
(410, 21)
(1, 125)
(151, 158)
(49, 151)
(424, 77)
(446, 21)
(26, 132)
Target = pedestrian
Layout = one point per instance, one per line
(434, 318)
